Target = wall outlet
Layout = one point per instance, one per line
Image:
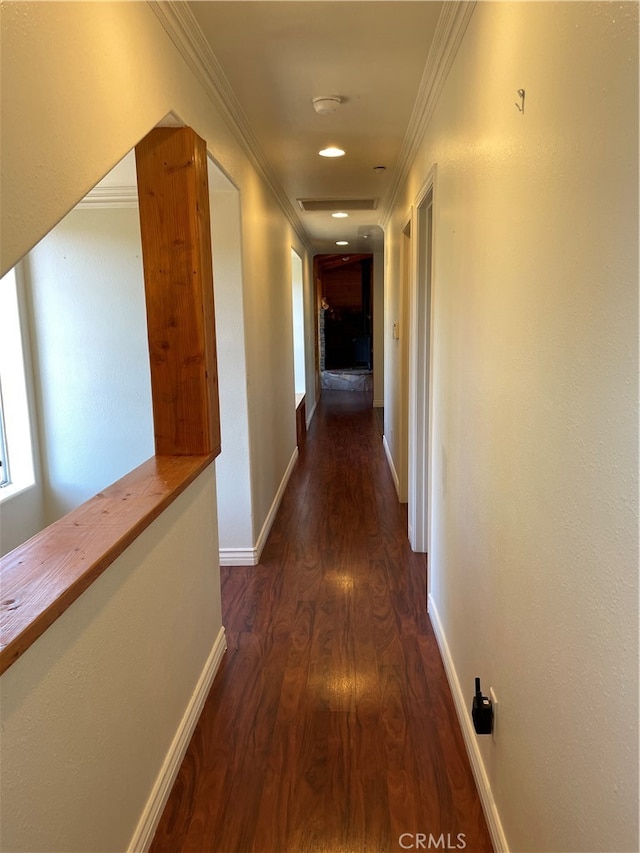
(396, 331)
(494, 703)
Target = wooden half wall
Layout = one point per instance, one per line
(43, 577)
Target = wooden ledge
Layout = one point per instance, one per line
(40, 579)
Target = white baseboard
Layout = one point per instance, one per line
(148, 823)
(394, 473)
(238, 557)
(271, 515)
(489, 807)
(251, 556)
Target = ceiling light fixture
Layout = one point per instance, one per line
(342, 242)
(324, 104)
(331, 152)
(340, 215)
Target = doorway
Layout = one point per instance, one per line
(403, 334)
(420, 374)
(346, 321)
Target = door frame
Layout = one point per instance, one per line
(421, 367)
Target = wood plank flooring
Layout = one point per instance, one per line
(330, 727)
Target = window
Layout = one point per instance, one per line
(297, 290)
(16, 456)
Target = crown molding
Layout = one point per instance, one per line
(187, 36)
(100, 197)
(451, 27)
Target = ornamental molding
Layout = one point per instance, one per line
(103, 197)
(187, 36)
(450, 30)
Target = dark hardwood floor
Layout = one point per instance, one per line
(330, 727)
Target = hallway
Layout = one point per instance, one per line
(330, 725)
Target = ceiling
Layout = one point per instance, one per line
(268, 59)
(277, 56)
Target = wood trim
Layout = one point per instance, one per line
(43, 577)
(171, 164)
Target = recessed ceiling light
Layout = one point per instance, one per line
(342, 242)
(339, 215)
(331, 152)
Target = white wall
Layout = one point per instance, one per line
(396, 348)
(91, 116)
(67, 72)
(235, 513)
(89, 338)
(90, 711)
(392, 353)
(21, 516)
(269, 348)
(87, 359)
(534, 550)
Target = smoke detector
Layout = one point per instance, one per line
(325, 104)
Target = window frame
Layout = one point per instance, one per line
(18, 435)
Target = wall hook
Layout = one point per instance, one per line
(520, 105)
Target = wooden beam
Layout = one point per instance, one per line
(176, 250)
